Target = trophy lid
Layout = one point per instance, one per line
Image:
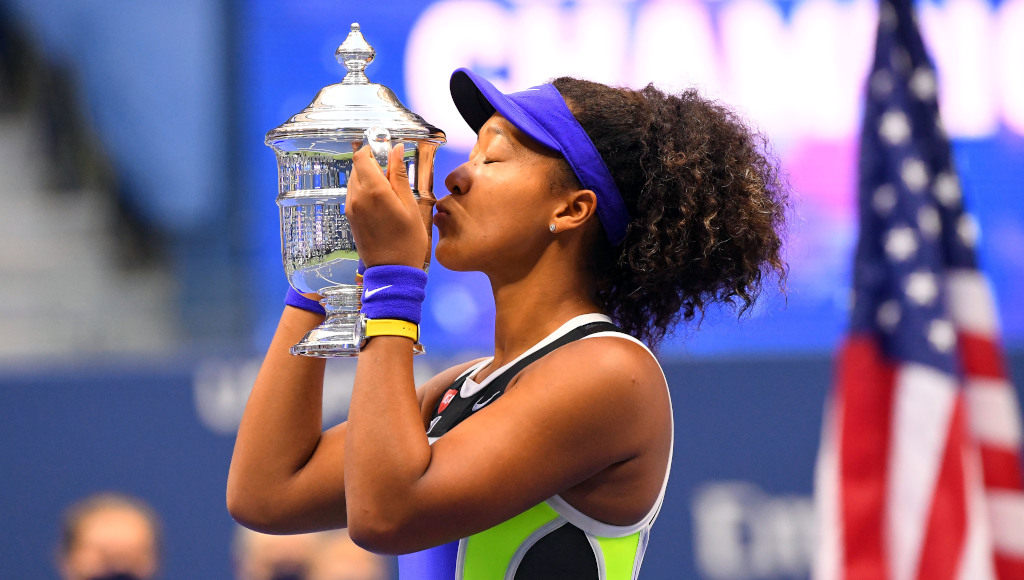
(344, 110)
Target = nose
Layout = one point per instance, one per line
(457, 181)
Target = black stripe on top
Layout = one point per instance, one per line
(452, 409)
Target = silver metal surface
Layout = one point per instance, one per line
(379, 142)
(314, 157)
(342, 111)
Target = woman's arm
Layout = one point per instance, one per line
(286, 475)
(583, 412)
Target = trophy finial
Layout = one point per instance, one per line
(355, 54)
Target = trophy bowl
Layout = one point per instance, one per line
(314, 158)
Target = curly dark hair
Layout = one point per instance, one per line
(706, 197)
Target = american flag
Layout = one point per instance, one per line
(919, 471)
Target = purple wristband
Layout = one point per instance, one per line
(293, 298)
(394, 292)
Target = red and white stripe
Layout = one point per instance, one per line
(918, 478)
(993, 417)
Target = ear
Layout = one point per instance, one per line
(576, 210)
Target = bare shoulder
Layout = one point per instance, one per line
(596, 410)
(605, 364)
(613, 380)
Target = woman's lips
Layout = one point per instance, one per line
(440, 217)
(441, 214)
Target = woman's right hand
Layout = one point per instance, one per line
(385, 217)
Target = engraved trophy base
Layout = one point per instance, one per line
(341, 333)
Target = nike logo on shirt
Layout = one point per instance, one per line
(480, 405)
(433, 422)
(369, 293)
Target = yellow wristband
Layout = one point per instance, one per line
(391, 327)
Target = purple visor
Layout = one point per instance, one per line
(541, 113)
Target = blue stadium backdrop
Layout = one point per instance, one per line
(795, 69)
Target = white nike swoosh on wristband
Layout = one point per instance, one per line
(369, 293)
(478, 405)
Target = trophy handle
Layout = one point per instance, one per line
(426, 200)
(423, 185)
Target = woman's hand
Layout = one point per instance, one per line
(383, 212)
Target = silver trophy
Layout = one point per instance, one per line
(314, 160)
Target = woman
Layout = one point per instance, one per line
(584, 205)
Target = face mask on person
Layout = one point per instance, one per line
(288, 571)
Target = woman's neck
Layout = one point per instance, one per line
(529, 308)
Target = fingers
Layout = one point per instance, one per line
(386, 220)
(396, 161)
(398, 174)
(367, 186)
(365, 171)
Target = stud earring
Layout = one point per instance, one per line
(552, 228)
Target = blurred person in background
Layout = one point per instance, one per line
(264, 557)
(109, 536)
(316, 556)
(341, 559)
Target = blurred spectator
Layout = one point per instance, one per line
(109, 536)
(341, 559)
(317, 556)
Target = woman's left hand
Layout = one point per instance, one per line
(383, 212)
